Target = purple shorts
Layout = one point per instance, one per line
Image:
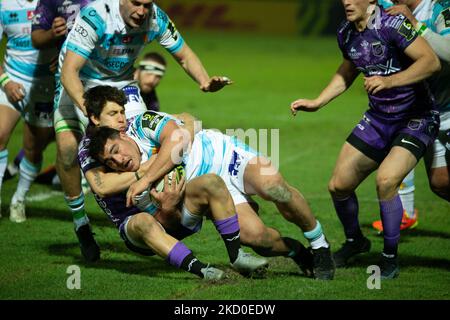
(375, 137)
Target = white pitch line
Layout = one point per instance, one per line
(42, 196)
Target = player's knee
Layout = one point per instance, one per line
(275, 189)
(213, 185)
(67, 156)
(338, 188)
(145, 225)
(386, 184)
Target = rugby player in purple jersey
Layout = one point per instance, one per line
(396, 129)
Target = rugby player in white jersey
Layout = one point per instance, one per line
(101, 48)
(140, 226)
(27, 90)
(244, 171)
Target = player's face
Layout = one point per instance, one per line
(113, 116)
(135, 12)
(121, 154)
(356, 10)
(148, 81)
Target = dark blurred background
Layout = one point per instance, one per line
(287, 17)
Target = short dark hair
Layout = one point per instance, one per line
(98, 137)
(96, 98)
(155, 57)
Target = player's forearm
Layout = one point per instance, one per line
(420, 70)
(335, 88)
(192, 65)
(108, 184)
(341, 81)
(42, 38)
(72, 84)
(439, 43)
(168, 156)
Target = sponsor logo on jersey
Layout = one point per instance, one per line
(151, 120)
(354, 54)
(127, 39)
(415, 124)
(377, 49)
(379, 69)
(119, 51)
(80, 30)
(30, 15)
(235, 163)
(13, 17)
(446, 15)
(406, 30)
(89, 22)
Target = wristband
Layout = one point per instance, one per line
(4, 79)
(421, 28)
(136, 174)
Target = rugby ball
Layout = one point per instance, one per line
(177, 173)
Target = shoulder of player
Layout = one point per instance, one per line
(343, 27)
(388, 21)
(97, 9)
(440, 7)
(84, 143)
(159, 14)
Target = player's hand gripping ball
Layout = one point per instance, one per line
(145, 199)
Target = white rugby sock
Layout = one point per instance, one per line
(3, 165)
(406, 193)
(27, 173)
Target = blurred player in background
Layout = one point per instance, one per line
(396, 130)
(431, 19)
(148, 74)
(53, 21)
(27, 91)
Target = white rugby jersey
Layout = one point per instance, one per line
(435, 14)
(211, 151)
(110, 47)
(22, 60)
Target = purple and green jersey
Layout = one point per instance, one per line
(114, 206)
(48, 10)
(379, 51)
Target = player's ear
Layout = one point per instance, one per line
(94, 120)
(123, 135)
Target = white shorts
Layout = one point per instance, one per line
(68, 117)
(37, 107)
(438, 154)
(226, 156)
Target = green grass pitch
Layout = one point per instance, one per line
(268, 73)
